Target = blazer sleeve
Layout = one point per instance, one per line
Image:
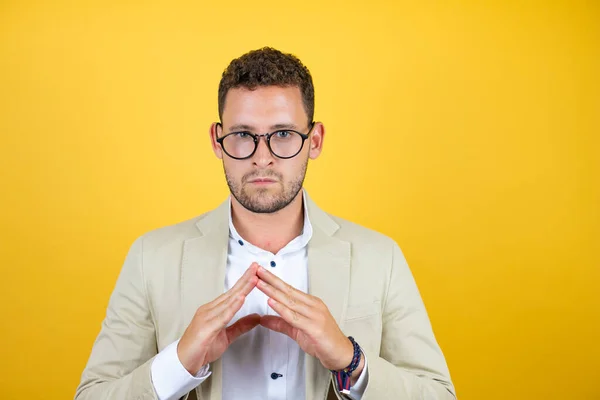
(410, 364)
(120, 360)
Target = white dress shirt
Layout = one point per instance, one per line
(260, 364)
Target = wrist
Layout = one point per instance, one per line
(348, 355)
(346, 376)
(358, 371)
(192, 366)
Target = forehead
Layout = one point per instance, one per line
(264, 107)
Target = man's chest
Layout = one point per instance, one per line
(291, 267)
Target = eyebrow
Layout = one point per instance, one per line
(244, 127)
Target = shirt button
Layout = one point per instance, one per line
(273, 264)
(240, 242)
(275, 375)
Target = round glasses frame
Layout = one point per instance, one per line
(267, 137)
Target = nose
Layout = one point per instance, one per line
(262, 156)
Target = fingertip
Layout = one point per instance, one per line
(256, 318)
(251, 268)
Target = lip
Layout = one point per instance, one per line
(262, 181)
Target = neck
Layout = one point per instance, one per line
(269, 231)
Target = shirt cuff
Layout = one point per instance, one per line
(170, 378)
(357, 391)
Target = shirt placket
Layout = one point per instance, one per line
(278, 342)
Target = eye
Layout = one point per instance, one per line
(242, 135)
(283, 134)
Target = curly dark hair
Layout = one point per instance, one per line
(268, 67)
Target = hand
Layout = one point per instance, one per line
(207, 338)
(307, 320)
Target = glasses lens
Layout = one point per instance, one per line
(286, 143)
(239, 145)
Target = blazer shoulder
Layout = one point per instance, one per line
(169, 235)
(354, 232)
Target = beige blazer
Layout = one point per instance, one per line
(360, 274)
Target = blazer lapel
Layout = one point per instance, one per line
(203, 279)
(329, 279)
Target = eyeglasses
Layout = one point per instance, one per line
(284, 143)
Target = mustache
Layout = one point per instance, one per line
(262, 174)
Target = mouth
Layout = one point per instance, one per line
(262, 181)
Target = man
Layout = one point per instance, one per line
(267, 296)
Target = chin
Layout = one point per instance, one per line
(263, 200)
(264, 194)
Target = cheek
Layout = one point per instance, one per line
(293, 168)
(233, 169)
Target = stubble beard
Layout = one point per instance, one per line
(260, 200)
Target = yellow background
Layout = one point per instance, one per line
(466, 131)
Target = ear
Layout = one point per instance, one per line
(316, 140)
(214, 131)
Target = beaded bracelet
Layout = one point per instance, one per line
(342, 377)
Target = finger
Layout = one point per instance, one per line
(243, 286)
(222, 313)
(279, 284)
(218, 318)
(242, 326)
(225, 310)
(289, 299)
(278, 324)
(290, 316)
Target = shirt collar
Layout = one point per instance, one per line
(297, 243)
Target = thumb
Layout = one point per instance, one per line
(242, 326)
(277, 324)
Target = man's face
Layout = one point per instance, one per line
(265, 183)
